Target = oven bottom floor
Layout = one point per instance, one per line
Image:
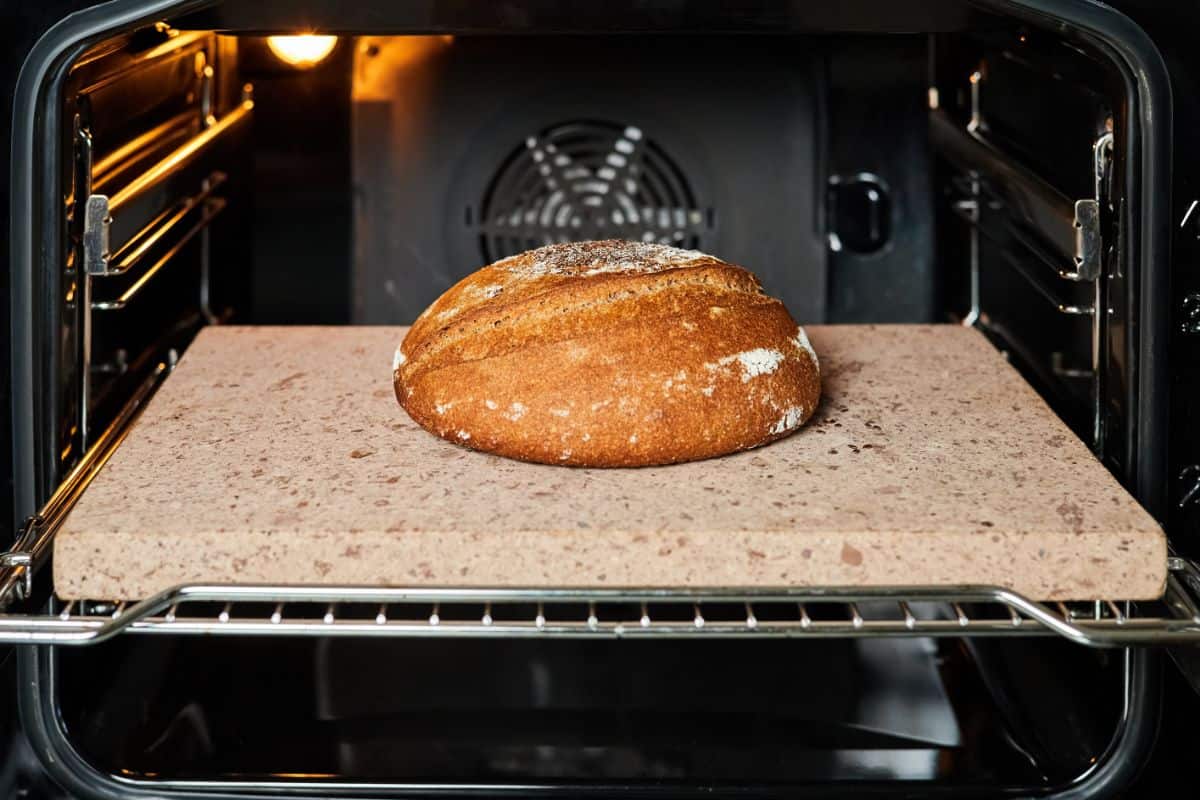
(915, 714)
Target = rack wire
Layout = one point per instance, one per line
(333, 611)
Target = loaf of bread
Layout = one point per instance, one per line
(608, 354)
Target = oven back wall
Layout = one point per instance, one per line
(469, 149)
(301, 233)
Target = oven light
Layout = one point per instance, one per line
(301, 51)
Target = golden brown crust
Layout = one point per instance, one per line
(608, 354)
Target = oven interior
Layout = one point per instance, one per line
(972, 169)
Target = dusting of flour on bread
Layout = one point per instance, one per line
(759, 361)
(597, 258)
(790, 419)
(802, 342)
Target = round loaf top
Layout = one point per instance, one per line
(609, 353)
(600, 257)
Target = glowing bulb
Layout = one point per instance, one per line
(301, 51)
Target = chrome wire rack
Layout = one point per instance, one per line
(321, 611)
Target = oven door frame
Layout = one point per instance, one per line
(35, 253)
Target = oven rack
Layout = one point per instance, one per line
(426, 612)
(633, 613)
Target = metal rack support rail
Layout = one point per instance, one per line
(21, 561)
(100, 209)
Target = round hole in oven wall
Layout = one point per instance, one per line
(587, 179)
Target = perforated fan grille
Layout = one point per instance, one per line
(588, 180)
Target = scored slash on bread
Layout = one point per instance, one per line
(608, 354)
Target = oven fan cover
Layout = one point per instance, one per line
(583, 180)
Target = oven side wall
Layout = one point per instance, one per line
(34, 236)
(24, 24)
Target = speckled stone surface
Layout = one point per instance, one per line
(281, 455)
